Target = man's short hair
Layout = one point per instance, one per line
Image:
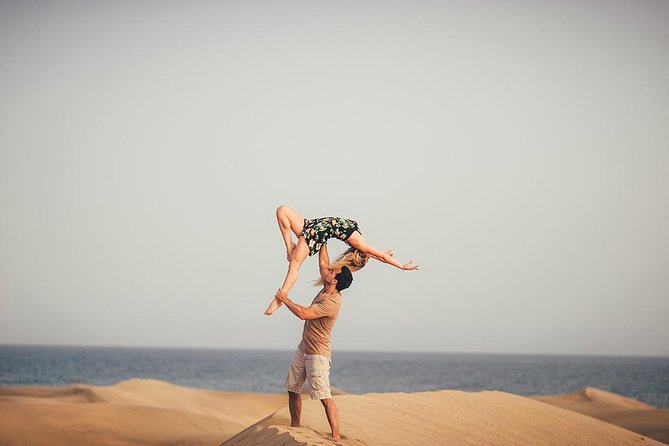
(344, 278)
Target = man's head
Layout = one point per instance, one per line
(343, 278)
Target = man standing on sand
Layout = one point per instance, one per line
(311, 361)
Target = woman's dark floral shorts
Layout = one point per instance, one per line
(319, 230)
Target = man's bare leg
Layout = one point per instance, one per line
(333, 417)
(295, 406)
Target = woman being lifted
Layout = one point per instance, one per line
(312, 234)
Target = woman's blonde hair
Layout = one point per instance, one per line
(352, 257)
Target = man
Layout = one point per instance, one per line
(311, 361)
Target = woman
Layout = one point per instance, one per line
(312, 234)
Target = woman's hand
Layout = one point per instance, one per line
(409, 266)
(386, 256)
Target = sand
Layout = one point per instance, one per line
(446, 417)
(133, 412)
(151, 412)
(624, 412)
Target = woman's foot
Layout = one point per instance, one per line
(289, 250)
(276, 303)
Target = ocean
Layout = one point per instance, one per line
(642, 378)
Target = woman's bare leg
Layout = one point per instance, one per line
(289, 221)
(297, 257)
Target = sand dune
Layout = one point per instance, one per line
(150, 412)
(624, 412)
(439, 418)
(134, 412)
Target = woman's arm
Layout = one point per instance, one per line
(385, 257)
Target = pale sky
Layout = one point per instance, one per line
(517, 150)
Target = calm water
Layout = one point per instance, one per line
(645, 379)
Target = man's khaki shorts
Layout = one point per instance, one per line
(315, 369)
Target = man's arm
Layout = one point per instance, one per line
(324, 261)
(303, 313)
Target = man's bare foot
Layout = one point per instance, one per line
(276, 303)
(289, 250)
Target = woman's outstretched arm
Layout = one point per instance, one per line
(358, 242)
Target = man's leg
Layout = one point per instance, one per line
(333, 417)
(296, 376)
(318, 375)
(295, 406)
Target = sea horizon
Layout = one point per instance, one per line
(335, 350)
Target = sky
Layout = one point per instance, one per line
(518, 151)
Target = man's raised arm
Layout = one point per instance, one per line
(324, 261)
(303, 313)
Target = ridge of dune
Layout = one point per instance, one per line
(131, 412)
(214, 403)
(73, 394)
(595, 394)
(446, 417)
(597, 399)
(616, 409)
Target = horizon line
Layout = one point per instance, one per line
(444, 352)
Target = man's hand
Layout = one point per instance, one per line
(281, 295)
(303, 313)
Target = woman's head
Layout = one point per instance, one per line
(352, 258)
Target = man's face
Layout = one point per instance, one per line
(330, 276)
